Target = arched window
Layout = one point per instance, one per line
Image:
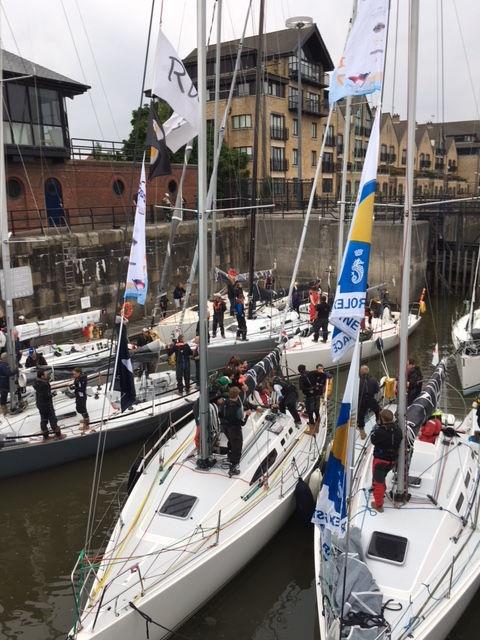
(14, 188)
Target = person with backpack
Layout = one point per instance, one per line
(386, 438)
(232, 418)
(308, 386)
(367, 390)
(287, 395)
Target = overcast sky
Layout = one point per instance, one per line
(102, 43)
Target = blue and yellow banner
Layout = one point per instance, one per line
(348, 308)
(331, 509)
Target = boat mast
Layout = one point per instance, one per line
(4, 238)
(472, 301)
(256, 127)
(216, 123)
(203, 460)
(402, 466)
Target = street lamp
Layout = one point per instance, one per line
(299, 23)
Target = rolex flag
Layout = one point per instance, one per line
(172, 83)
(360, 70)
(348, 308)
(159, 158)
(137, 279)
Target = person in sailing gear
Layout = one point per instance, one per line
(44, 402)
(178, 294)
(386, 438)
(321, 377)
(432, 427)
(322, 311)
(241, 321)
(144, 338)
(183, 353)
(308, 386)
(296, 299)
(80, 389)
(219, 308)
(5, 374)
(35, 359)
(414, 381)
(367, 390)
(287, 396)
(231, 292)
(232, 418)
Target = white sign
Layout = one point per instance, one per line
(22, 285)
(85, 302)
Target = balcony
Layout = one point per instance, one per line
(330, 141)
(452, 168)
(388, 158)
(310, 105)
(278, 164)
(359, 153)
(278, 133)
(360, 130)
(311, 72)
(425, 164)
(439, 165)
(328, 167)
(339, 149)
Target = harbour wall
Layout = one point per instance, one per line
(99, 259)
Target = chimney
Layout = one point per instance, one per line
(395, 117)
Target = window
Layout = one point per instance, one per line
(327, 185)
(314, 158)
(387, 547)
(243, 89)
(340, 143)
(404, 156)
(178, 505)
(14, 188)
(314, 130)
(295, 158)
(277, 159)
(118, 187)
(273, 89)
(330, 137)
(295, 127)
(278, 186)
(246, 150)
(242, 122)
(172, 186)
(348, 187)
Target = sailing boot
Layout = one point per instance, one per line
(234, 470)
(362, 433)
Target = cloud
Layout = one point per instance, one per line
(117, 32)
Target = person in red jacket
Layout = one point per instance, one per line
(432, 428)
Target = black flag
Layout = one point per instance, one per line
(159, 158)
(124, 381)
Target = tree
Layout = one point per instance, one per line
(232, 166)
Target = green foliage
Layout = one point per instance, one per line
(232, 164)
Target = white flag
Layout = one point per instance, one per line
(435, 356)
(172, 83)
(360, 70)
(178, 132)
(137, 280)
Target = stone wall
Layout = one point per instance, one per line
(101, 259)
(280, 238)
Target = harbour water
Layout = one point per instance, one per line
(43, 520)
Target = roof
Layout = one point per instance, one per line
(14, 65)
(280, 43)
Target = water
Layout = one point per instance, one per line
(43, 527)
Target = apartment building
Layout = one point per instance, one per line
(446, 156)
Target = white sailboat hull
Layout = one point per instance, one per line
(179, 599)
(467, 353)
(305, 351)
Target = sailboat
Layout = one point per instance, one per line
(410, 569)
(187, 526)
(466, 341)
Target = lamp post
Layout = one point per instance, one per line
(299, 23)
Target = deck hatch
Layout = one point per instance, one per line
(388, 547)
(459, 503)
(178, 505)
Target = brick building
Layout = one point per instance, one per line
(53, 181)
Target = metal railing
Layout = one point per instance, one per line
(278, 133)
